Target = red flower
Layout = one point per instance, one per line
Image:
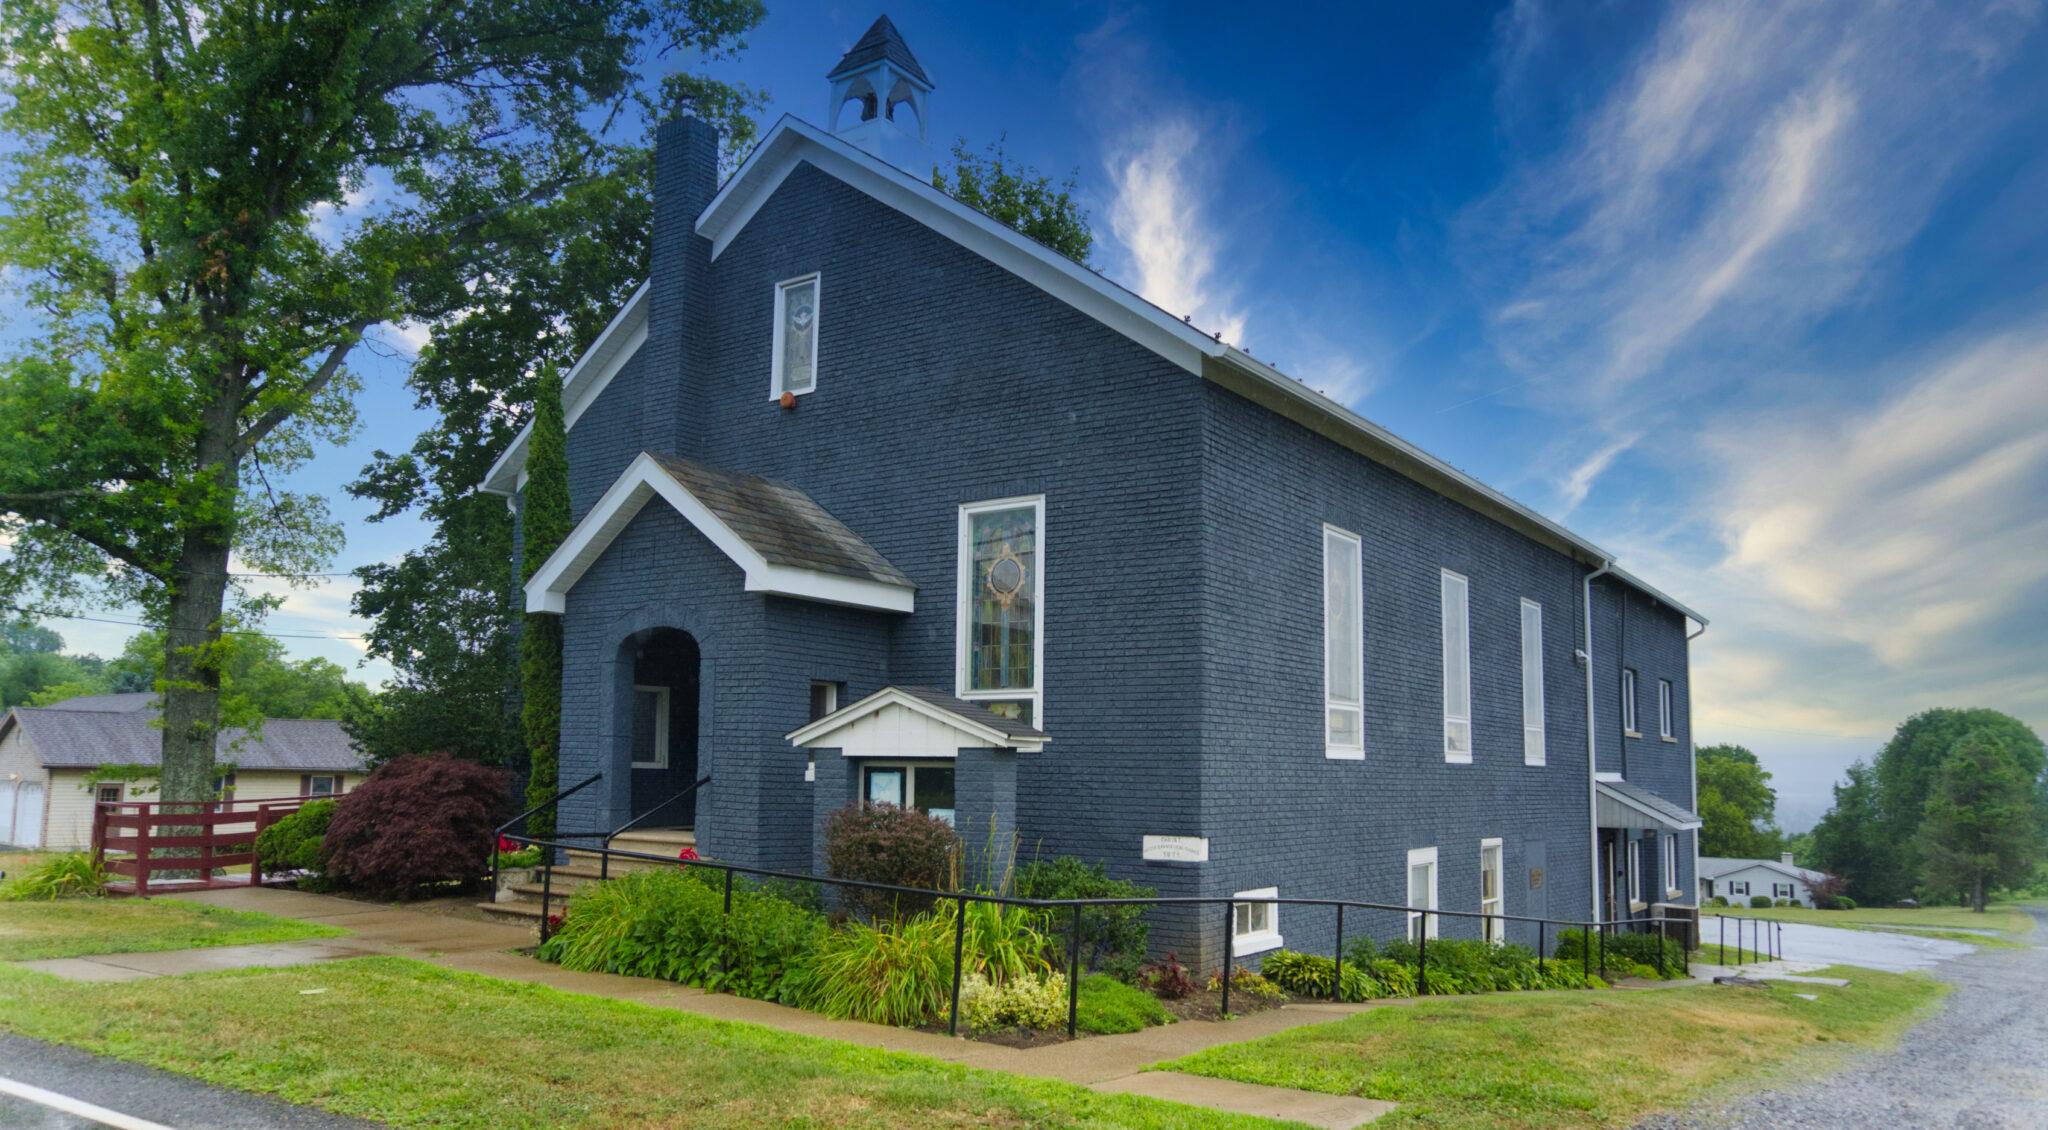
(506, 844)
(688, 854)
(554, 923)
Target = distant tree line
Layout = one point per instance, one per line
(258, 679)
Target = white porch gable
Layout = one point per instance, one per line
(914, 722)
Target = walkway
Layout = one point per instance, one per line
(1108, 1063)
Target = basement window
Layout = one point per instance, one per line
(1255, 925)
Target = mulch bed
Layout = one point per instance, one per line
(1208, 1005)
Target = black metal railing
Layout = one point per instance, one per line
(1419, 922)
(1766, 941)
(498, 835)
(604, 863)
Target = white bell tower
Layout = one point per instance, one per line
(881, 100)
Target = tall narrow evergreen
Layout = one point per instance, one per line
(545, 521)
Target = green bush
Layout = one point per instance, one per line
(1112, 937)
(1759, 902)
(1001, 943)
(1108, 1006)
(881, 843)
(1034, 1001)
(898, 973)
(672, 925)
(1248, 982)
(1784, 902)
(1628, 954)
(1844, 902)
(297, 842)
(71, 875)
(1717, 900)
(1309, 975)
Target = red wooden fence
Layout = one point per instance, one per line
(129, 837)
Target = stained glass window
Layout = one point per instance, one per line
(1002, 643)
(796, 336)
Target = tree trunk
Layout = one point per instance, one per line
(1977, 893)
(192, 664)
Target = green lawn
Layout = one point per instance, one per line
(411, 1044)
(79, 927)
(1952, 922)
(1574, 1059)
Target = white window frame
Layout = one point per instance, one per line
(1332, 749)
(1671, 867)
(660, 727)
(775, 373)
(1533, 731)
(1463, 585)
(1664, 720)
(1635, 873)
(1789, 890)
(99, 793)
(1494, 929)
(1420, 857)
(1738, 887)
(333, 784)
(1249, 941)
(963, 551)
(910, 769)
(1628, 703)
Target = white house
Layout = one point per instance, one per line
(1738, 880)
(49, 756)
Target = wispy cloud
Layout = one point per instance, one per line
(1157, 215)
(1578, 482)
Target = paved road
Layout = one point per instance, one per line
(1827, 945)
(1979, 1063)
(141, 1093)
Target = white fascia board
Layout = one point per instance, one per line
(813, 733)
(644, 479)
(793, 141)
(593, 371)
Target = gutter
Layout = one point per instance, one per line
(1592, 747)
(1693, 763)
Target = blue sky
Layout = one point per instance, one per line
(1754, 294)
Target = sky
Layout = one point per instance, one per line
(1753, 294)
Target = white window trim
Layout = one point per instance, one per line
(1671, 867)
(1664, 721)
(660, 728)
(775, 374)
(1416, 858)
(1257, 941)
(1495, 929)
(1535, 736)
(963, 580)
(333, 784)
(1331, 750)
(1628, 703)
(1465, 626)
(1738, 887)
(1635, 873)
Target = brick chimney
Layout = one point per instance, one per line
(685, 180)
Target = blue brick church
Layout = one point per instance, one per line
(877, 499)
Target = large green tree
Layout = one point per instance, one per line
(1738, 807)
(1849, 840)
(168, 164)
(1980, 828)
(1020, 196)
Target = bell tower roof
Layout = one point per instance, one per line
(881, 43)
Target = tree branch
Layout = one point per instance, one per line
(268, 421)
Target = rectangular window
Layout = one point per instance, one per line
(796, 337)
(1671, 867)
(1738, 887)
(1628, 702)
(1532, 683)
(1635, 871)
(318, 784)
(1343, 646)
(1457, 669)
(1492, 880)
(925, 787)
(1781, 890)
(224, 787)
(1256, 925)
(1421, 892)
(650, 727)
(107, 794)
(1001, 657)
(824, 699)
(1664, 710)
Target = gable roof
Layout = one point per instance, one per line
(967, 723)
(791, 142)
(1715, 866)
(881, 42)
(783, 541)
(615, 345)
(88, 733)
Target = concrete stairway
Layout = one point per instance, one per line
(584, 868)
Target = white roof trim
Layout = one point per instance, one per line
(892, 698)
(621, 338)
(644, 479)
(1657, 818)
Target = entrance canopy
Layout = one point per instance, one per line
(915, 722)
(1622, 805)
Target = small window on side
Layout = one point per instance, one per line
(1628, 702)
(796, 337)
(1256, 925)
(107, 794)
(1343, 646)
(1457, 639)
(824, 699)
(1664, 723)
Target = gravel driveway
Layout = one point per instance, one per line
(1982, 1061)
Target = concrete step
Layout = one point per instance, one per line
(527, 912)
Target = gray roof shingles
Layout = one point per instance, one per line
(95, 734)
(782, 523)
(1644, 798)
(881, 41)
(972, 711)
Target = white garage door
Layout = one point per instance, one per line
(21, 813)
(8, 789)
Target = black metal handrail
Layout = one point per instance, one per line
(498, 833)
(1597, 931)
(604, 862)
(1766, 938)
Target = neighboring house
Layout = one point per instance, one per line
(49, 756)
(876, 498)
(1738, 880)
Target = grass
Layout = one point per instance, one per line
(411, 1044)
(1574, 1059)
(80, 927)
(1951, 922)
(1108, 1006)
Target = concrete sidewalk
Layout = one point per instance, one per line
(1108, 1063)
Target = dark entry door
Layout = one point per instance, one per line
(664, 742)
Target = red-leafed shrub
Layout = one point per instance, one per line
(881, 843)
(418, 822)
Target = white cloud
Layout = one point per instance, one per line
(1578, 482)
(1156, 215)
(331, 219)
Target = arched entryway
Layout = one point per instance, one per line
(662, 742)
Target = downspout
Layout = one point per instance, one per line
(1692, 748)
(1592, 749)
